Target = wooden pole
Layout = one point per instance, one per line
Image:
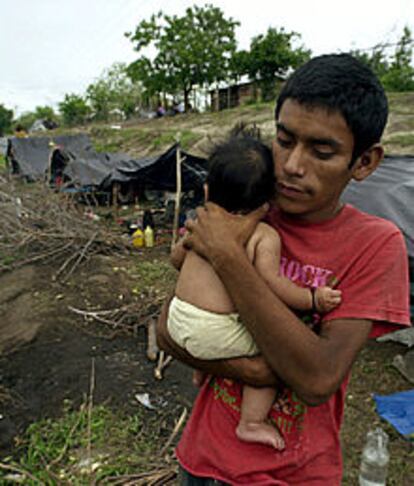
(178, 162)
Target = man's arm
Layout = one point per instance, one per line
(312, 365)
(253, 371)
(178, 254)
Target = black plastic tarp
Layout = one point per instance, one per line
(91, 171)
(159, 172)
(29, 157)
(389, 193)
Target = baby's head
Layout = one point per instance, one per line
(241, 174)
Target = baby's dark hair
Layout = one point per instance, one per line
(241, 174)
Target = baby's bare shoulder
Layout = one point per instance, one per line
(264, 233)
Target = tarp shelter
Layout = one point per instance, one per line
(72, 160)
(159, 172)
(389, 193)
(29, 157)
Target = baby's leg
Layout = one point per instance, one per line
(253, 427)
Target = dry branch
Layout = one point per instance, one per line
(37, 224)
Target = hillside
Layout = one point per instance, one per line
(198, 131)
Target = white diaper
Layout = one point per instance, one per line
(208, 335)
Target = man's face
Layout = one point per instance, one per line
(312, 152)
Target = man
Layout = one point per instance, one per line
(330, 117)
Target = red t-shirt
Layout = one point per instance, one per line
(365, 257)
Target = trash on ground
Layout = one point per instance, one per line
(398, 410)
(405, 365)
(403, 336)
(143, 399)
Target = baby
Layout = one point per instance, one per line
(202, 318)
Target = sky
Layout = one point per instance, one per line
(49, 48)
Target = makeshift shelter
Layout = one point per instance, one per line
(389, 193)
(30, 157)
(158, 174)
(71, 163)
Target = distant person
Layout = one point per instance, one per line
(20, 132)
(202, 318)
(160, 111)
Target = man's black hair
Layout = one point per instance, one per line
(339, 82)
(241, 174)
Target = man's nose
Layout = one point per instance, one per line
(295, 164)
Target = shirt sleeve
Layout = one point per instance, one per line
(375, 285)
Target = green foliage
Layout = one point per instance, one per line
(155, 274)
(58, 448)
(395, 71)
(400, 75)
(113, 92)
(6, 118)
(27, 119)
(191, 50)
(45, 113)
(272, 56)
(74, 110)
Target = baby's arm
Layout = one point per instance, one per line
(267, 263)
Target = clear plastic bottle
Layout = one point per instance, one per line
(374, 460)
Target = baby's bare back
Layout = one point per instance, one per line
(199, 284)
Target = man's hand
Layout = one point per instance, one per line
(216, 231)
(252, 371)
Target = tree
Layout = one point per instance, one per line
(45, 113)
(74, 109)
(6, 118)
(272, 56)
(114, 90)
(400, 75)
(27, 118)
(395, 71)
(191, 50)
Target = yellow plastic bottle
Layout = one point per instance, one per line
(149, 237)
(138, 238)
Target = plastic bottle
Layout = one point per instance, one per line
(138, 238)
(149, 237)
(374, 460)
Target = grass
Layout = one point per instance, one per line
(401, 139)
(157, 275)
(81, 448)
(2, 162)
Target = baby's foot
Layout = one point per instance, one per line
(326, 299)
(260, 432)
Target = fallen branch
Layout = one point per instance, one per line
(23, 472)
(175, 431)
(81, 255)
(90, 407)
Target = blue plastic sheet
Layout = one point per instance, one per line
(398, 410)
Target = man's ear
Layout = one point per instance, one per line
(205, 187)
(366, 164)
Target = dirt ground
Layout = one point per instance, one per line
(46, 349)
